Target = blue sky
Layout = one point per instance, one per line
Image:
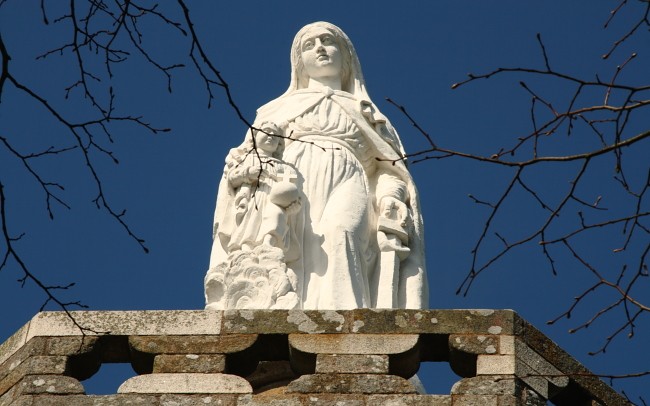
(411, 52)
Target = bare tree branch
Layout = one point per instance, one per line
(583, 115)
(49, 290)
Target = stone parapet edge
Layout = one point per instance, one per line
(499, 323)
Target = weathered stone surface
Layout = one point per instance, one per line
(145, 322)
(49, 384)
(7, 397)
(527, 397)
(539, 365)
(408, 400)
(369, 321)
(353, 343)
(198, 400)
(508, 400)
(132, 399)
(284, 321)
(561, 360)
(350, 383)
(34, 365)
(506, 345)
(185, 383)
(527, 365)
(539, 382)
(13, 343)
(189, 363)
(495, 365)
(326, 399)
(33, 347)
(41, 346)
(510, 390)
(42, 364)
(431, 321)
(213, 344)
(530, 359)
(351, 364)
(475, 344)
(94, 400)
(486, 385)
(475, 400)
(25, 400)
(70, 345)
(272, 400)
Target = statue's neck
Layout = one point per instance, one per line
(333, 82)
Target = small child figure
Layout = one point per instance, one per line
(257, 243)
(265, 190)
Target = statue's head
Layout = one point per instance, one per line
(268, 138)
(328, 32)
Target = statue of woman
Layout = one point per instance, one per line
(360, 218)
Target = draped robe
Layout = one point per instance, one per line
(348, 156)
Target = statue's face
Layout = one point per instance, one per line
(321, 56)
(267, 143)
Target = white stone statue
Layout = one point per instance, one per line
(354, 236)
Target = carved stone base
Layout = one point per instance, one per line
(280, 357)
(186, 383)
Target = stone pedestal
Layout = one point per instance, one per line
(290, 357)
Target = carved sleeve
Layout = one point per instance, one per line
(389, 185)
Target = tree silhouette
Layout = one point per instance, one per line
(610, 119)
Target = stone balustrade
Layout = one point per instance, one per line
(291, 357)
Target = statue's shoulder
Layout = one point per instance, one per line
(273, 109)
(279, 102)
(288, 106)
(271, 105)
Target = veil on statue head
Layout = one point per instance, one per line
(352, 80)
